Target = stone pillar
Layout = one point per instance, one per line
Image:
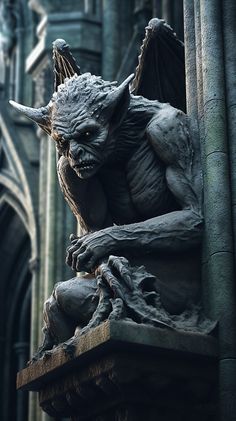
(191, 79)
(142, 15)
(111, 39)
(213, 117)
(229, 24)
(18, 25)
(190, 59)
(171, 12)
(167, 11)
(157, 8)
(178, 23)
(218, 279)
(131, 38)
(198, 49)
(126, 29)
(22, 352)
(216, 168)
(228, 362)
(121, 42)
(34, 412)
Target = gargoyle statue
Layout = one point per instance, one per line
(129, 171)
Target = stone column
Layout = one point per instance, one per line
(19, 54)
(178, 18)
(132, 36)
(190, 59)
(198, 48)
(121, 42)
(216, 168)
(167, 11)
(34, 411)
(218, 279)
(218, 273)
(229, 22)
(157, 8)
(191, 80)
(111, 39)
(171, 12)
(22, 352)
(228, 363)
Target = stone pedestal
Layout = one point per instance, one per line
(124, 371)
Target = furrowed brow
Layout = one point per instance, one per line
(87, 125)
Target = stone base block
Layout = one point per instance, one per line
(123, 371)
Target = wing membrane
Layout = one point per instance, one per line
(65, 65)
(161, 72)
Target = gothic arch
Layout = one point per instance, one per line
(19, 171)
(19, 155)
(15, 288)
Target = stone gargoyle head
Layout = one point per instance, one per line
(81, 118)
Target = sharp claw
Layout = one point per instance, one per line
(78, 266)
(73, 237)
(68, 261)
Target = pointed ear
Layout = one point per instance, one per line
(41, 116)
(117, 103)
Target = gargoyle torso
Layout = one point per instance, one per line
(134, 181)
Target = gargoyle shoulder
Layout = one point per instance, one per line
(168, 132)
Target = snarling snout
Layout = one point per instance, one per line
(86, 168)
(83, 162)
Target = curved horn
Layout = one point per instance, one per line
(38, 115)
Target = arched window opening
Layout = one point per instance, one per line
(15, 290)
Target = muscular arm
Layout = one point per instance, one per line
(168, 134)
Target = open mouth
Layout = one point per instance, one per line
(85, 165)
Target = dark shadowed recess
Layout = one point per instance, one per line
(15, 290)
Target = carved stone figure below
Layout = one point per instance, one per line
(129, 171)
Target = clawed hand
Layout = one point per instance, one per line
(116, 272)
(86, 252)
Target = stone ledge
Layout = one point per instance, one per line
(117, 336)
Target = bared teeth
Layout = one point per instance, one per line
(86, 165)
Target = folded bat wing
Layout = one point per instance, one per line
(160, 74)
